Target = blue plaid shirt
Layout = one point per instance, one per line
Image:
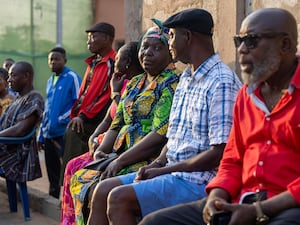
(201, 114)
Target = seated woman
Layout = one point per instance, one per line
(138, 130)
(126, 66)
(5, 97)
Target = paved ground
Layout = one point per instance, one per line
(44, 209)
(7, 218)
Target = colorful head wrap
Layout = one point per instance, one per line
(158, 31)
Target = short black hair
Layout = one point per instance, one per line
(26, 67)
(60, 50)
(133, 55)
(9, 59)
(4, 73)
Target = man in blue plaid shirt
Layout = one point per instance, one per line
(199, 125)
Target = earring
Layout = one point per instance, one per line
(127, 66)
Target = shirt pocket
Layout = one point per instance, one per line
(293, 134)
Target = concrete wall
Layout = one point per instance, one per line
(291, 5)
(223, 12)
(227, 15)
(112, 12)
(133, 18)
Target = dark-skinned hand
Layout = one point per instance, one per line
(148, 172)
(76, 124)
(111, 170)
(117, 81)
(242, 214)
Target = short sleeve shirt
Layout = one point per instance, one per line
(201, 114)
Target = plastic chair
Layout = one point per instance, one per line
(12, 185)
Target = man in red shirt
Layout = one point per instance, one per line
(258, 181)
(94, 94)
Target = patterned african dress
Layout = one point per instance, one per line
(67, 216)
(139, 112)
(20, 162)
(4, 103)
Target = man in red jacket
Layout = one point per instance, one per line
(94, 95)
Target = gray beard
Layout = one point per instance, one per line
(263, 70)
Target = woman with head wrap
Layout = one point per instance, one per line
(138, 130)
(127, 65)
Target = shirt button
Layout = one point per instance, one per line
(268, 142)
(260, 163)
(254, 174)
(257, 190)
(260, 185)
(268, 118)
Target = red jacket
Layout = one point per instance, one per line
(95, 99)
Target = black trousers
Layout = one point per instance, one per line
(75, 144)
(191, 214)
(54, 149)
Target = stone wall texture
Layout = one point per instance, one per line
(227, 15)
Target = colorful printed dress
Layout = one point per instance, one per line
(4, 103)
(139, 112)
(67, 216)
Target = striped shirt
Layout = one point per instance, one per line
(201, 114)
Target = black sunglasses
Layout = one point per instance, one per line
(251, 40)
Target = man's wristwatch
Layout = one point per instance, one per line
(114, 94)
(261, 218)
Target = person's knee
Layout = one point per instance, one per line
(101, 191)
(120, 196)
(103, 188)
(119, 203)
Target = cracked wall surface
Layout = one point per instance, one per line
(227, 17)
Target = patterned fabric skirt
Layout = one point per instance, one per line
(81, 181)
(75, 164)
(67, 206)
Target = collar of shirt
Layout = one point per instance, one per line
(110, 54)
(204, 68)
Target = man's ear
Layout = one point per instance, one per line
(27, 76)
(188, 36)
(286, 44)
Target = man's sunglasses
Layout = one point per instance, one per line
(251, 40)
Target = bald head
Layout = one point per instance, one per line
(273, 20)
(267, 46)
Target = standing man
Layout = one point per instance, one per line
(61, 92)
(199, 125)
(260, 165)
(7, 63)
(94, 94)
